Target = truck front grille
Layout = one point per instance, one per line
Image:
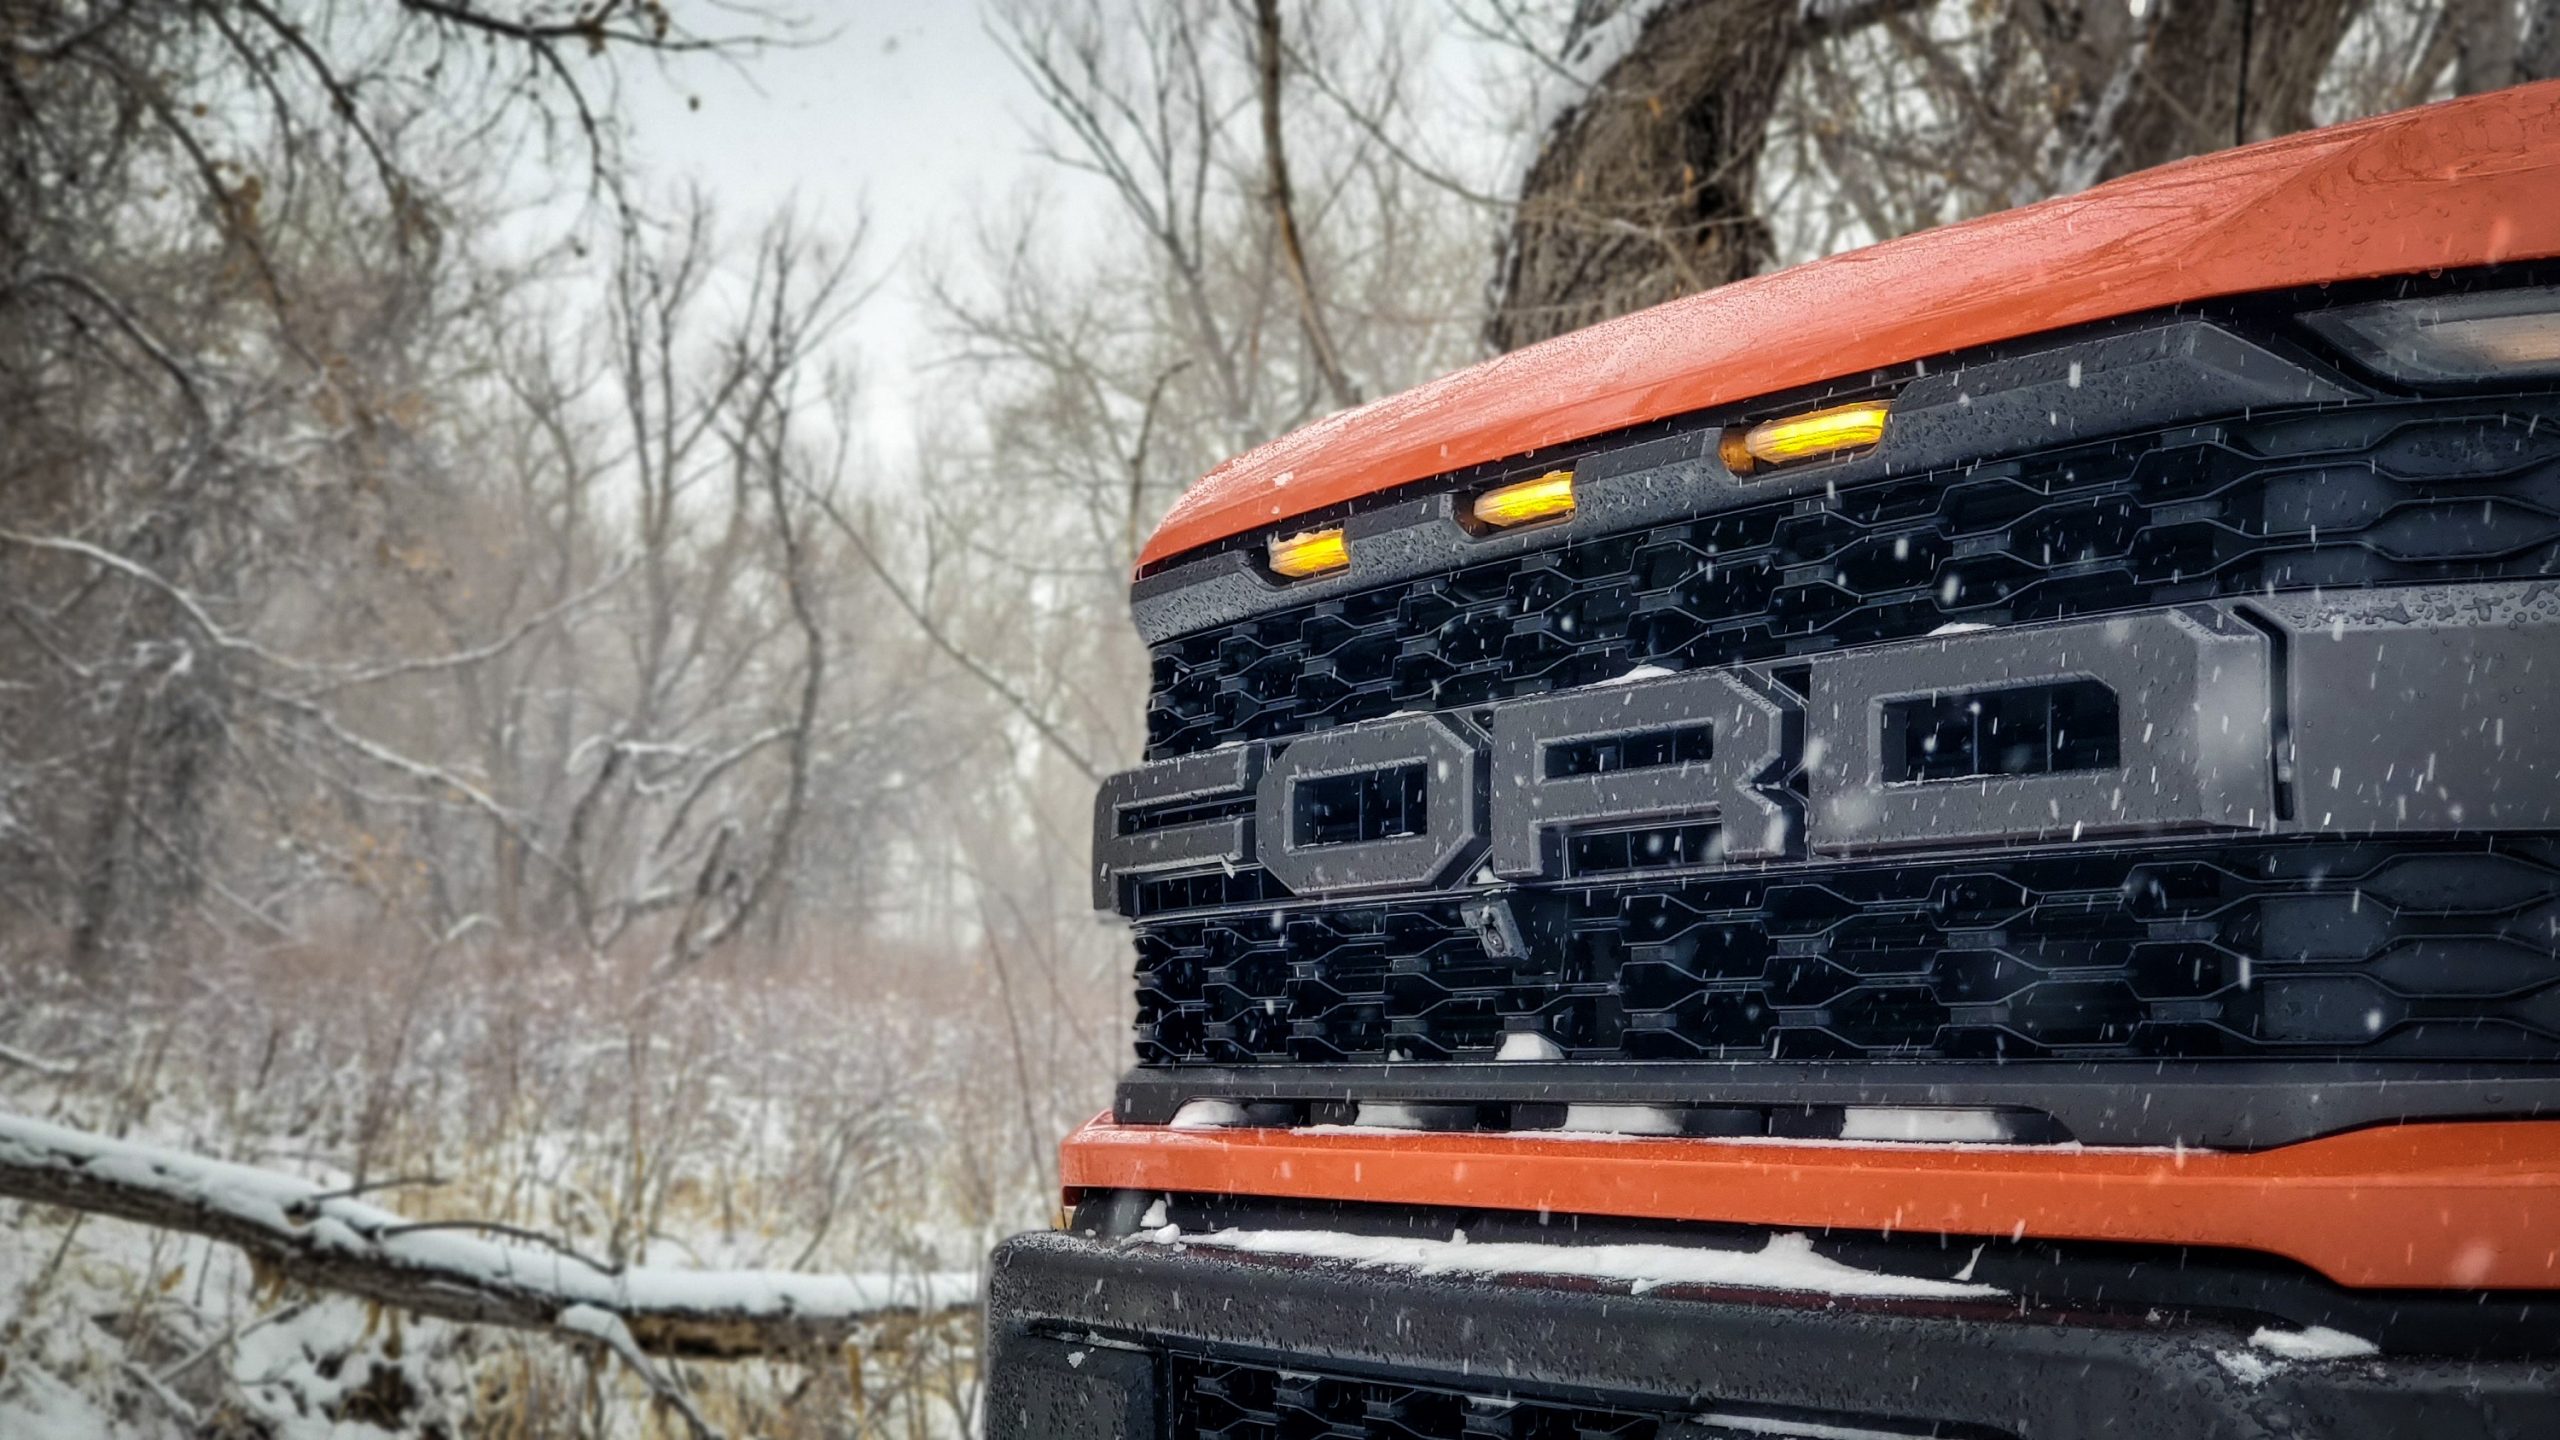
(1908, 770)
(2376, 495)
(2442, 951)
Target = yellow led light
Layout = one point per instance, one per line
(1544, 498)
(1799, 437)
(1313, 553)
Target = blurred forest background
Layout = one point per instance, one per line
(486, 720)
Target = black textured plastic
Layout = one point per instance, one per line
(2091, 1282)
(2445, 950)
(2380, 493)
(1215, 1399)
(1731, 1364)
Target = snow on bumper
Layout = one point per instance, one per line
(2437, 1206)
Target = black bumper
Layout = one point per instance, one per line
(1091, 1339)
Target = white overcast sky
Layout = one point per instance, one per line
(912, 114)
(909, 112)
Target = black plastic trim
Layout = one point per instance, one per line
(2039, 396)
(1689, 1355)
(2217, 1104)
(2089, 1280)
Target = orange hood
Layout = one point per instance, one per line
(2465, 183)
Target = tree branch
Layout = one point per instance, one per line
(1284, 212)
(347, 1246)
(942, 641)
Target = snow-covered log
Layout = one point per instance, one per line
(465, 1271)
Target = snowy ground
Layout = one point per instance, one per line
(771, 1122)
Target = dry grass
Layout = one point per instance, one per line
(805, 1109)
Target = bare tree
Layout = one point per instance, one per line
(1700, 141)
(226, 264)
(1643, 188)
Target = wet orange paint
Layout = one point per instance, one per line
(2468, 182)
(2455, 1205)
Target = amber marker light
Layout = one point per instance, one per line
(1802, 437)
(1544, 498)
(1317, 552)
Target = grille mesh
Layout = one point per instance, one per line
(2374, 495)
(2274, 949)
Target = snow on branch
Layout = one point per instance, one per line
(37, 1063)
(331, 1241)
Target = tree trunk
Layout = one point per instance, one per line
(2538, 58)
(2175, 85)
(1643, 192)
(96, 901)
(2486, 44)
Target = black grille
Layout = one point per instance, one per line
(2024, 730)
(2403, 951)
(1226, 1400)
(2378, 494)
